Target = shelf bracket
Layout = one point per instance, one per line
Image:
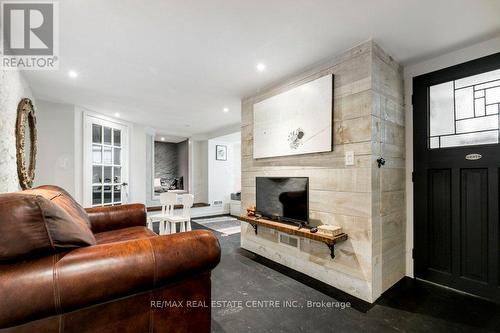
(331, 246)
(254, 226)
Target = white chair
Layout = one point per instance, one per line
(185, 218)
(168, 201)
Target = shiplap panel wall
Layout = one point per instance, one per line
(389, 207)
(348, 196)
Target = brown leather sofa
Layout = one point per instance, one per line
(128, 280)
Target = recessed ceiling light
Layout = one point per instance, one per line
(73, 74)
(117, 115)
(162, 139)
(260, 67)
(225, 109)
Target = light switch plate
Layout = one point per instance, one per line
(349, 158)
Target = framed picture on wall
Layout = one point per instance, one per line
(221, 153)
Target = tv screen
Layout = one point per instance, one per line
(283, 198)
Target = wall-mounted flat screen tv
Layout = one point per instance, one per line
(283, 198)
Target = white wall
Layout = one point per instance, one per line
(220, 175)
(78, 126)
(150, 139)
(13, 87)
(60, 151)
(223, 176)
(56, 145)
(453, 58)
(137, 157)
(198, 161)
(237, 167)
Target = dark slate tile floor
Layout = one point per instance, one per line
(410, 306)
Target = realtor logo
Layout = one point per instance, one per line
(30, 35)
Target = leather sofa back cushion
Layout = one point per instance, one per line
(65, 201)
(32, 225)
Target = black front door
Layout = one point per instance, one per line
(456, 176)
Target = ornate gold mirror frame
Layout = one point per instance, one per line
(26, 119)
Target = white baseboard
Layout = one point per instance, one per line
(208, 211)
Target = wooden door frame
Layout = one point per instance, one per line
(86, 173)
(420, 101)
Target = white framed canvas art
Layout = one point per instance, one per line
(298, 121)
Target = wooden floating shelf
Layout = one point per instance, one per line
(290, 229)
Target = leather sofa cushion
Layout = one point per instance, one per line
(32, 225)
(65, 201)
(116, 217)
(122, 235)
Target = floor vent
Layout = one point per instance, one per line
(288, 240)
(217, 202)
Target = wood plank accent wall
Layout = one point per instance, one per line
(388, 205)
(368, 119)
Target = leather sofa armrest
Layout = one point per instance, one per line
(116, 217)
(97, 274)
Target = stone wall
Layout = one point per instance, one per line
(171, 161)
(354, 197)
(13, 87)
(166, 163)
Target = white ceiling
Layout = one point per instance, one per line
(175, 64)
(229, 138)
(168, 138)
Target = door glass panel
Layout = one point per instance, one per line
(490, 84)
(107, 135)
(435, 142)
(96, 133)
(96, 174)
(107, 174)
(469, 139)
(465, 112)
(464, 102)
(493, 95)
(117, 176)
(479, 106)
(107, 195)
(96, 195)
(479, 79)
(492, 109)
(107, 158)
(477, 124)
(117, 160)
(117, 138)
(441, 109)
(117, 194)
(96, 154)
